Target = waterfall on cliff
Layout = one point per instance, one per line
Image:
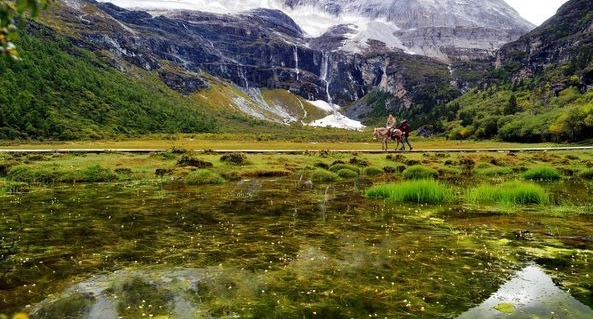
(325, 75)
(296, 61)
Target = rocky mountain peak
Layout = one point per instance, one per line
(566, 38)
(428, 27)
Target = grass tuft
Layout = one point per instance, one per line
(337, 167)
(494, 171)
(419, 172)
(515, 192)
(203, 177)
(372, 171)
(320, 175)
(347, 173)
(542, 173)
(418, 191)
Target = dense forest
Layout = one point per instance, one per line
(58, 91)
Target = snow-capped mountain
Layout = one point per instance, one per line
(335, 52)
(436, 28)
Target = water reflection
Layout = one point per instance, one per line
(267, 249)
(531, 293)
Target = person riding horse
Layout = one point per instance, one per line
(389, 125)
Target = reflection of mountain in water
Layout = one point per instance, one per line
(104, 297)
(532, 294)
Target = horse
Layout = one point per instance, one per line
(383, 133)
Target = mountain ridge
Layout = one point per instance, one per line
(415, 26)
(232, 65)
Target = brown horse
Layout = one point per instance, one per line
(383, 133)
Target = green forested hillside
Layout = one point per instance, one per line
(541, 90)
(518, 115)
(59, 91)
(556, 104)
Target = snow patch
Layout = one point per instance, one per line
(338, 120)
(322, 105)
(335, 119)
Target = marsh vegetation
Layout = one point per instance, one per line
(313, 234)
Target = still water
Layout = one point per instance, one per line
(273, 248)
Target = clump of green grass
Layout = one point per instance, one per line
(337, 167)
(372, 171)
(320, 175)
(203, 177)
(98, 173)
(418, 191)
(586, 174)
(346, 173)
(493, 171)
(542, 173)
(515, 192)
(448, 172)
(419, 172)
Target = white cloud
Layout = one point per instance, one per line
(536, 11)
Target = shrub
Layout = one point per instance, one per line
(203, 177)
(372, 171)
(420, 172)
(320, 175)
(542, 173)
(420, 191)
(508, 193)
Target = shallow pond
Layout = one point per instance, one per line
(274, 248)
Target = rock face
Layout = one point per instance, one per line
(254, 49)
(265, 48)
(565, 39)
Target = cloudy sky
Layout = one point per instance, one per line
(536, 11)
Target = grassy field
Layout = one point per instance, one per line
(179, 156)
